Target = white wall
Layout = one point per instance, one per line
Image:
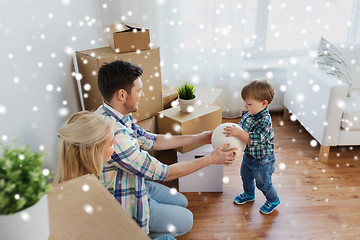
(36, 42)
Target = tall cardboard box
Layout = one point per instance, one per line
(127, 37)
(89, 62)
(83, 209)
(203, 118)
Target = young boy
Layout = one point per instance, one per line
(259, 157)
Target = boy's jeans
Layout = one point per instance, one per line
(260, 171)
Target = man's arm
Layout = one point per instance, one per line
(168, 141)
(217, 156)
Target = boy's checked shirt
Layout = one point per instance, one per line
(262, 135)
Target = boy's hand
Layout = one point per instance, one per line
(232, 131)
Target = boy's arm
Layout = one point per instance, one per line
(237, 132)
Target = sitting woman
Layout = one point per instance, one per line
(86, 142)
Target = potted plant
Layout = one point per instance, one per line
(24, 210)
(186, 97)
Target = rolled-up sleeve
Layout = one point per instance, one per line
(146, 140)
(130, 157)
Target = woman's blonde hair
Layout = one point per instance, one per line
(81, 145)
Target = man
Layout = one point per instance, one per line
(126, 175)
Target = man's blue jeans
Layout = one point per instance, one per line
(260, 171)
(168, 213)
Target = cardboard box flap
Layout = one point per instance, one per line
(83, 209)
(123, 27)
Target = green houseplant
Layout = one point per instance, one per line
(186, 97)
(23, 195)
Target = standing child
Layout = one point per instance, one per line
(259, 157)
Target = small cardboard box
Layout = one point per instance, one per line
(89, 62)
(208, 179)
(203, 118)
(148, 125)
(127, 37)
(83, 209)
(169, 94)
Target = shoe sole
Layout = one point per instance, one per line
(237, 203)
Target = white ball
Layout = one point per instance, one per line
(218, 138)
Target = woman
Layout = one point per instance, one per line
(86, 142)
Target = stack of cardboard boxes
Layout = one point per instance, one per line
(128, 42)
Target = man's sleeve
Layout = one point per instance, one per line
(131, 158)
(146, 140)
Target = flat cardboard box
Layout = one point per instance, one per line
(203, 118)
(169, 94)
(127, 37)
(83, 209)
(89, 62)
(208, 179)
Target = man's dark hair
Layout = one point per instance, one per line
(115, 76)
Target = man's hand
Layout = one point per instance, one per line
(217, 156)
(222, 156)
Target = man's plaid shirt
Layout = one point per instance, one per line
(124, 175)
(262, 135)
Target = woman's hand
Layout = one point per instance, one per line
(204, 137)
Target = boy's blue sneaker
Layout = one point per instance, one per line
(243, 198)
(269, 207)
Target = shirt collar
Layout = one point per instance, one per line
(262, 112)
(127, 120)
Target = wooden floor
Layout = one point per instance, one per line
(318, 201)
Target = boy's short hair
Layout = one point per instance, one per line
(115, 76)
(259, 90)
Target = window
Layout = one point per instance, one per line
(283, 25)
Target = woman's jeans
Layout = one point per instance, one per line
(168, 213)
(260, 171)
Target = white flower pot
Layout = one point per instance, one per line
(31, 223)
(187, 106)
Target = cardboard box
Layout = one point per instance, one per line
(203, 118)
(169, 94)
(208, 179)
(89, 62)
(83, 209)
(127, 37)
(148, 125)
(210, 96)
